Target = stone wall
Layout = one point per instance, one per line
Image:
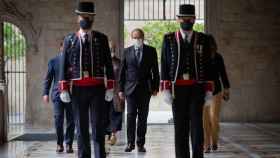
(248, 34)
(45, 22)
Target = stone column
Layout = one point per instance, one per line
(3, 106)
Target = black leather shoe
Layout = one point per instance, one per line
(141, 149)
(129, 148)
(207, 150)
(69, 149)
(59, 148)
(215, 147)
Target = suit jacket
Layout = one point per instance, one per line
(52, 78)
(219, 73)
(145, 73)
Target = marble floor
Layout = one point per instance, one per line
(236, 141)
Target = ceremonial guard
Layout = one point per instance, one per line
(86, 61)
(185, 81)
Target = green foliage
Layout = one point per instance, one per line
(14, 41)
(154, 32)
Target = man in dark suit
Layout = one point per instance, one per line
(186, 81)
(139, 78)
(51, 79)
(86, 64)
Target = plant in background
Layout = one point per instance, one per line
(154, 32)
(14, 42)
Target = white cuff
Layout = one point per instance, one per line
(167, 97)
(109, 95)
(65, 97)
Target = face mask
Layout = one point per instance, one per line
(137, 42)
(186, 26)
(86, 23)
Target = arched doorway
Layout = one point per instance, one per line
(15, 72)
(157, 17)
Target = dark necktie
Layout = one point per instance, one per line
(86, 55)
(138, 54)
(186, 39)
(86, 38)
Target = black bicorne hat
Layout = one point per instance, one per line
(186, 10)
(85, 8)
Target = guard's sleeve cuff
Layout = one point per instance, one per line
(165, 85)
(110, 84)
(209, 86)
(63, 85)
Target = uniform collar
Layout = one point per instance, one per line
(188, 34)
(82, 34)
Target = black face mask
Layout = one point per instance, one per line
(86, 23)
(186, 26)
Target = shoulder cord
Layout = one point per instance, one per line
(177, 36)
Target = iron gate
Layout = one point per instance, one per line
(15, 72)
(141, 10)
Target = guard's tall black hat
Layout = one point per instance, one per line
(85, 8)
(186, 10)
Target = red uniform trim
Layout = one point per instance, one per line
(185, 82)
(63, 85)
(88, 81)
(165, 85)
(110, 84)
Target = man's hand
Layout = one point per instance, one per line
(226, 94)
(154, 93)
(167, 97)
(121, 95)
(46, 99)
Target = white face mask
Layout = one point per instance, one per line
(137, 42)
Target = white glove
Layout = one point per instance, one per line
(167, 97)
(65, 97)
(109, 95)
(209, 98)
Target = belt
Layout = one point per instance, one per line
(185, 82)
(208, 85)
(89, 81)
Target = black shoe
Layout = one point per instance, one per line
(141, 149)
(215, 147)
(69, 149)
(207, 150)
(59, 148)
(129, 148)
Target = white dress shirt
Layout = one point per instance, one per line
(188, 34)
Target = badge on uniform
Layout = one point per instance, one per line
(85, 73)
(199, 48)
(186, 76)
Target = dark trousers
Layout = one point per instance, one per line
(89, 101)
(187, 113)
(137, 106)
(59, 109)
(113, 119)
